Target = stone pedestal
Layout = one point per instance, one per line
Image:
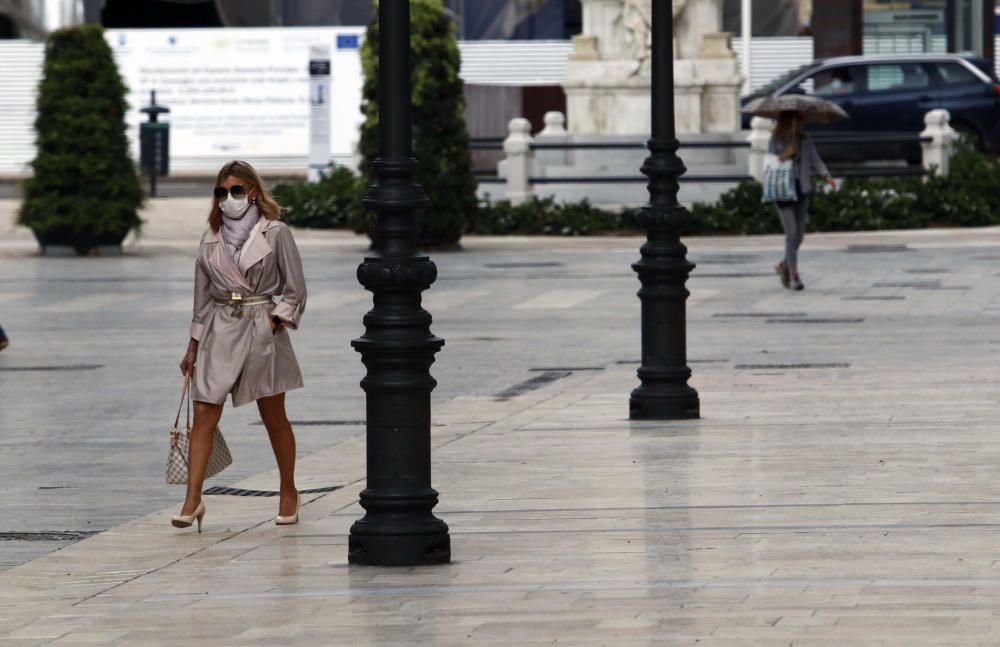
(608, 84)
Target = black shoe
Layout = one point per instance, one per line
(796, 284)
(781, 269)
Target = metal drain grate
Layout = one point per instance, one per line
(320, 423)
(507, 266)
(235, 491)
(690, 361)
(755, 315)
(906, 284)
(47, 535)
(894, 297)
(729, 275)
(876, 249)
(532, 384)
(815, 321)
(69, 367)
(790, 366)
(734, 259)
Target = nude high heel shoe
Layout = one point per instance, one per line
(185, 520)
(292, 518)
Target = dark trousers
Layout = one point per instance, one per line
(793, 218)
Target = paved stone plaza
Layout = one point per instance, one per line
(840, 488)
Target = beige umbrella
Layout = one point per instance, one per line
(811, 109)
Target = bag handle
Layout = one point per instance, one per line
(185, 393)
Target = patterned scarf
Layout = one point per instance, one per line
(235, 231)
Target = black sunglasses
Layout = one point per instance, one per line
(237, 191)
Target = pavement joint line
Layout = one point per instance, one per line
(751, 506)
(588, 586)
(211, 544)
(742, 530)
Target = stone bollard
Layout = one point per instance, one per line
(937, 152)
(554, 133)
(555, 125)
(760, 137)
(520, 162)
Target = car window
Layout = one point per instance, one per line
(897, 76)
(954, 73)
(772, 85)
(836, 81)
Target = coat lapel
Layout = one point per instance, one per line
(258, 249)
(222, 261)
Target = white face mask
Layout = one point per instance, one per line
(234, 208)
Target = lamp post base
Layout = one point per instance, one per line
(673, 404)
(400, 550)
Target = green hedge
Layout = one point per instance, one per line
(331, 203)
(969, 196)
(548, 217)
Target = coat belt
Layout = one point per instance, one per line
(237, 301)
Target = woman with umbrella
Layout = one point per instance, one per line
(791, 113)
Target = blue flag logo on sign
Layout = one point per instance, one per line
(347, 41)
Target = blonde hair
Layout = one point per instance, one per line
(784, 129)
(265, 203)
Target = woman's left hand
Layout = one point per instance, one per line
(274, 326)
(831, 182)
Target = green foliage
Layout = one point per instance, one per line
(85, 190)
(968, 196)
(738, 211)
(868, 204)
(546, 216)
(330, 203)
(440, 135)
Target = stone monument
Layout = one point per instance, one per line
(608, 77)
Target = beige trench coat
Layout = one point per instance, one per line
(240, 355)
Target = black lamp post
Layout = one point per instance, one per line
(663, 268)
(154, 142)
(398, 348)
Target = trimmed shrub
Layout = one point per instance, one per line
(85, 191)
(331, 203)
(548, 217)
(440, 135)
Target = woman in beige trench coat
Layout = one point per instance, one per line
(239, 344)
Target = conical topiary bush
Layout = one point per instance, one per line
(85, 190)
(440, 134)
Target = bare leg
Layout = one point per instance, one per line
(272, 412)
(206, 419)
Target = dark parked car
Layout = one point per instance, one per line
(891, 94)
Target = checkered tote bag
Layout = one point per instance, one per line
(779, 179)
(177, 459)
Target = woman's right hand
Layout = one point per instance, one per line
(187, 364)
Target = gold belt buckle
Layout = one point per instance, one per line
(237, 301)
